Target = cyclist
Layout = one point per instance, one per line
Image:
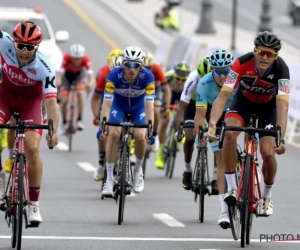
(175, 79)
(95, 103)
(75, 66)
(130, 90)
(160, 79)
(186, 110)
(263, 86)
(26, 74)
(208, 89)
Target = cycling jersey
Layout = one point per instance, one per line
(190, 87)
(158, 74)
(22, 88)
(259, 89)
(129, 98)
(208, 91)
(101, 79)
(170, 76)
(73, 72)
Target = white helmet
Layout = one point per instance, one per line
(148, 59)
(133, 54)
(77, 50)
(115, 62)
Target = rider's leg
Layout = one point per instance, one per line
(80, 90)
(10, 145)
(155, 127)
(64, 104)
(164, 121)
(101, 149)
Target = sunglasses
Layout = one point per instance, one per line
(29, 47)
(218, 72)
(262, 52)
(134, 65)
(180, 78)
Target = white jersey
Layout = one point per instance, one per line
(36, 77)
(190, 87)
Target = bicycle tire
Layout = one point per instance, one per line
(103, 182)
(167, 153)
(71, 128)
(202, 186)
(122, 187)
(172, 155)
(13, 228)
(20, 208)
(244, 204)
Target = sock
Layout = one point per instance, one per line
(79, 117)
(0, 164)
(161, 149)
(267, 191)
(101, 158)
(110, 171)
(215, 173)
(188, 168)
(34, 203)
(10, 152)
(34, 193)
(224, 206)
(138, 164)
(231, 181)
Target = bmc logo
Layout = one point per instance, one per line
(16, 74)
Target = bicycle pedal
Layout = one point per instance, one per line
(33, 224)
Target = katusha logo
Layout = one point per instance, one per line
(15, 73)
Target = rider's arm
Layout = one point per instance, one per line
(149, 99)
(282, 98)
(95, 102)
(89, 71)
(167, 93)
(162, 80)
(201, 104)
(61, 71)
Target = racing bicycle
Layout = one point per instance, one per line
(124, 177)
(16, 196)
(249, 192)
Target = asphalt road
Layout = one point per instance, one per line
(76, 218)
(249, 13)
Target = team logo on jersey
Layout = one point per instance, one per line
(284, 86)
(110, 87)
(150, 89)
(32, 71)
(231, 78)
(17, 76)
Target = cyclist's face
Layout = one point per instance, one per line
(264, 57)
(77, 61)
(220, 75)
(131, 70)
(24, 55)
(179, 82)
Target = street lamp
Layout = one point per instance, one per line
(233, 31)
(206, 21)
(265, 18)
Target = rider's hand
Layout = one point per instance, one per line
(165, 112)
(53, 142)
(202, 142)
(95, 122)
(281, 149)
(89, 88)
(178, 139)
(212, 131)
(150, 141)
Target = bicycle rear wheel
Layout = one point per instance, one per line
(172, 155)
(244, 204)
(202, 185)
(20, 206)
(70, 129)
(122, 187)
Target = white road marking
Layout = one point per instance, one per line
(136, 239)
(209, 249)
(86, 166)
(62, 146)
(168, 220)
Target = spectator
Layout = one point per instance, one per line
(167, 19)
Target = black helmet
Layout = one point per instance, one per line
(268, 39)
(182, 69)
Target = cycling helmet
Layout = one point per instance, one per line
(268, 39)
(27, 32)
(115, 62)
(133, 53)
(203, 66)
(182, 69)
(113, 53)
(148, 60)
(221, 59)
(77, 50)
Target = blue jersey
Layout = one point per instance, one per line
(208, 91)
(129, 96)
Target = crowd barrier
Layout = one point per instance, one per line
(173, 49)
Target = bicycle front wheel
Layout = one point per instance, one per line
(172, 155)
(202, 185)
(20, 206)
(122, 187)
(244, 203)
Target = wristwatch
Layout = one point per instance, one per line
(282, 141)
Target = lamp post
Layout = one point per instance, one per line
(206, 20)
(265, 18)
(233, 31)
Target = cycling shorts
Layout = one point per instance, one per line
(117, 114)
(66, 84)
(241, 108)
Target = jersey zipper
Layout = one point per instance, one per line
(129, 95)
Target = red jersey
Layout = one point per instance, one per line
(158, 73)
(101, 79)
(67, 65)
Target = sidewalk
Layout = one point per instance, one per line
(141, 15)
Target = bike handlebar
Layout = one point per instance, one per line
(127, 125)
(250, 131)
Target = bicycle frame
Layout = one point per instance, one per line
(72, 108)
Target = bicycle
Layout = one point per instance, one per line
(249, 193)
(124, 177)
(170, 148)
(16, 196)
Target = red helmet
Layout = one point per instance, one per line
(27, 32)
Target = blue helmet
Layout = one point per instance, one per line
(221, 59)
